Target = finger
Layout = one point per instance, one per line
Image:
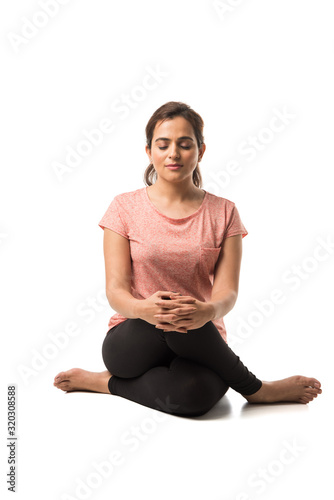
(184, 311)
(181, 330)
(164, 303)
(172, 323)
(182, 323)
(170, 304)
(164, 319)
(184, 299)
(168, 293)
(176, 296)
(170, 319)
(175, 319)
(173, 328)
(176, 312)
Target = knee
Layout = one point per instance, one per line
(201, 393)
(111, 358)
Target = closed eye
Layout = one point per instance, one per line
(164, 147)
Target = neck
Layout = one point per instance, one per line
(175, 192)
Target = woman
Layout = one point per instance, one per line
(172, 258)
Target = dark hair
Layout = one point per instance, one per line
(167, 112)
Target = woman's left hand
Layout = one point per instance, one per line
(172, 318)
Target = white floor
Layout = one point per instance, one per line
(87, 445)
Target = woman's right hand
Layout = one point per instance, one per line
(147, 308)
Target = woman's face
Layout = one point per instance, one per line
(174, 142)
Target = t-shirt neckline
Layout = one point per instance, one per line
(172, 218)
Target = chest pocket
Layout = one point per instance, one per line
(208, 258)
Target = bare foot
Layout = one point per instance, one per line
(78, 379)
(297, 389)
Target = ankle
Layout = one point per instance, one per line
(259, 396)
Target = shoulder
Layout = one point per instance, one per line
(218, 203)
(130, 197)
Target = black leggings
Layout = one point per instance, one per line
(178, 373)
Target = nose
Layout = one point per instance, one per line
(174, 152)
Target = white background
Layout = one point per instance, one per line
(237, 65)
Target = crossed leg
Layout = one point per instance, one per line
(146, 370)
(182, 373)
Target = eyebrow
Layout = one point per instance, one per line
(180, 138)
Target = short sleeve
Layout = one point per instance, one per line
(112, 219)
(235, 225)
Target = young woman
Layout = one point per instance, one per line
(172, 259)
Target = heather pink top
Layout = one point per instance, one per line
(172, 254)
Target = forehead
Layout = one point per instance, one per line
(175, 127)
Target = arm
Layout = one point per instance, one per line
(226, 281)
(118, 274)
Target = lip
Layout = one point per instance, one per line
(174, 166)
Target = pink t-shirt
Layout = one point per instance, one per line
(172, 254)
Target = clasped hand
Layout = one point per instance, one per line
(181, 313)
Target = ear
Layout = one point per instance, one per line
(201, 151)
(148, 152)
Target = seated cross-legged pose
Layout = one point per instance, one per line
(172, 259)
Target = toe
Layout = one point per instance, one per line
(303, 400)
(312, 382)
(64, 386)
(311, 391)
(61, 376)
